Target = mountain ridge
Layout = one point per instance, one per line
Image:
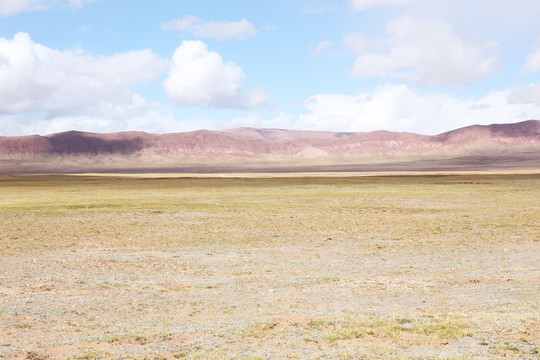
(259, 148)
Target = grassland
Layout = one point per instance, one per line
(266, 268)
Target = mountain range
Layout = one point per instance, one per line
(477, 147)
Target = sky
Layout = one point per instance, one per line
(161, 66)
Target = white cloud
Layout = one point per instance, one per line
(429, 53)
(359, 5)
(182, 24)
(350, 44)
(491, 10)
(76, 4)
(218, 30)
(532, 63)
(46, 85)
(320, 47)
(501, 18)
(33, 76)
(309, 9)
(400, 108)
(282, 121)
(151, 121)
(11, 7)
(527, 95)
(200, 76)
(356, 43)
(269, 27)
(493, 13)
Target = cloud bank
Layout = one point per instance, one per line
(401, 108)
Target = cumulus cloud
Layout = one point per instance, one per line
(401, 108)
(44, 84)
(359, 5)
(200, 76)
(218, 30)
(428, 53)
(11, 7)
(33, 76)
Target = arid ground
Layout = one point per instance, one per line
(411, 267)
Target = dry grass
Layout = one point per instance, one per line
(294, 267)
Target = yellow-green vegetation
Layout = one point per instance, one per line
(73, 212)
(404, 267)
(425, 330)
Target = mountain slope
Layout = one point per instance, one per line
(260, 148)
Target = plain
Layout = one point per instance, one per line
(425, 266)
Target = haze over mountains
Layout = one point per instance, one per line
(498, 146)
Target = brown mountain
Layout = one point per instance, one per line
(506, 146)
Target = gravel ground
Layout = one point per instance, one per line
(269, 302)
(398, 267)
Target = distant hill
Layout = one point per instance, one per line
(497, 146)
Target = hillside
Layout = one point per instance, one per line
(243, 149)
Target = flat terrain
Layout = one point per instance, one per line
(270, 268)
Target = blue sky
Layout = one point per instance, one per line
(424, 66)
